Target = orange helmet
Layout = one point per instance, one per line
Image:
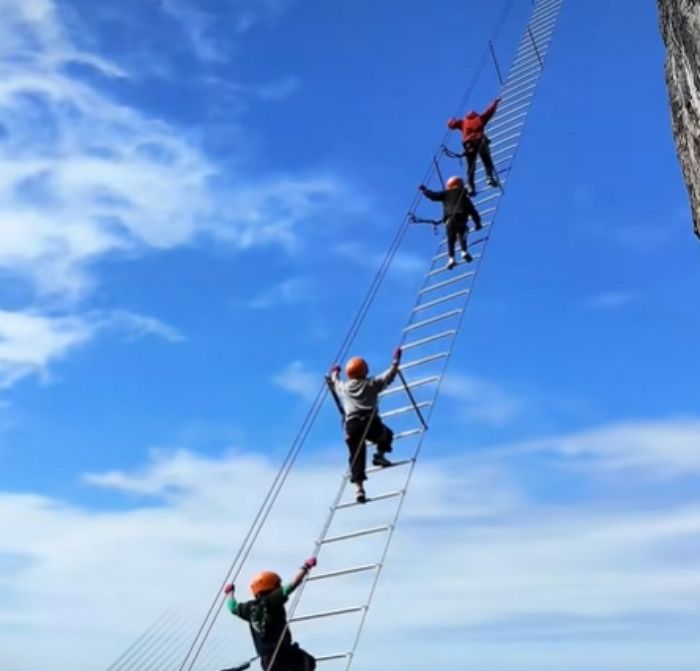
(264, 582)
(356, 368)
(454, 182)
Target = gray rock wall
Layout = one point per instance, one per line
(680, 27)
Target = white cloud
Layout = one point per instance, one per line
(137, 326)
(292, 290)
(28, 342)
(403, 264)
(83, 176)
(482, 401)
(610, 300)
(472, 549)
(296, 379)
(663, 448)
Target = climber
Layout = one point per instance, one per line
(457, 208)
(359, 401)
(475, 141)
(268, 620)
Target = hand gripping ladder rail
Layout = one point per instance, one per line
(430, 335)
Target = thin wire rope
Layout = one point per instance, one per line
(433, 168)
(167, 640)
(288, 462)
(419, 445)
(151, 632)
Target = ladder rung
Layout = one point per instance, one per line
(433, 320)
(528, 53)
(401, 435)
(542, 37)
(380, 497)
(407, 408)
(343, 571)
(444, 269)
(429, 339)
(337, 655)
(328, 613)
(516, 78)
(445, 283)
(443, 243)
(443, 299)
(540, 30)
(510, 138)
(527, 67)
(412, 385)
(394, 464)
(542, 13)
(356, 534)
(513, 88)
(423, 361)
(524, 94)
(507, 116)
(502, 150)
(539, 25)
(520, 122)
(488, 198)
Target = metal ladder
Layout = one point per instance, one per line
(430, 335)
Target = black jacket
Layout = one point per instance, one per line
(454, 201)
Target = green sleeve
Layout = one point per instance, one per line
(232, 605)
(287, 589)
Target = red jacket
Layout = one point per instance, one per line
(473, 124)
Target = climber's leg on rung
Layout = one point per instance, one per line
(382, 436)
(485, 155)
(451, 232)
(475, 216)
(470, 152)
(357, 447)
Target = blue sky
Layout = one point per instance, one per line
(195, 197)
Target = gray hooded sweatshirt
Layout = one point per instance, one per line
(359, 397)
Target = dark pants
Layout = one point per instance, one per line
(290, 658)
(480, 147)
(355, 439)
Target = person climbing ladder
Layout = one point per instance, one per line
(267, 618)
(457, 209)
(359, 402)
(475, 141)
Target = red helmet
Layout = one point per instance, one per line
(454, 182)
(264, 582)
(356, 368)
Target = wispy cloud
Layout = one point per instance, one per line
(84, 177)
(481, 400)
(199, 25)
(30, 342)
(136, 326)
(289, 291)
(298, 380)
(660, 448)
(566, 563)
(404, 263)
(610, 300)
(270, 91)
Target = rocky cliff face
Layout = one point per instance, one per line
(680, 27)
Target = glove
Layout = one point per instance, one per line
(335, 370)
(229, 589)
(421, 187)
(397, 354)
(309, 563)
